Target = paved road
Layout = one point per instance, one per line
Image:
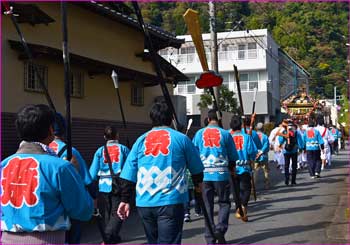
(314, 211)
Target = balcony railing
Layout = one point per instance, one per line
(222, 56)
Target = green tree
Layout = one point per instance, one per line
(226, 101)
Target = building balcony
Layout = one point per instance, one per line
(243, 59)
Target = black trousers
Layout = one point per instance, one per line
(163, 224)
(222, 189)
(314, 162)
(287, 158)
(110, 222)
(245, 187)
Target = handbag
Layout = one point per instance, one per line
(115, 177)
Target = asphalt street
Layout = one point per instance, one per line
(315, 211)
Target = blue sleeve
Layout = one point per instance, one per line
(95, 165)
(76, 200)
(300, 141)
(195, 140)
(281, 140)
(231, 149)
(252, 149)
(193, 161)
(84, 172)
(130, 169)
(125, 151)
(256, 140)
(266, 145)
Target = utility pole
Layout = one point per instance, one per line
(214, 42)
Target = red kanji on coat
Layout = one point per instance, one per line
(334, 131)
(54, 146)
(114, 153)
(157, 142)
(19, 181)
(211, 137)
(310, 134)
(239, 141)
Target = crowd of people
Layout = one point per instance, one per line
(45, 197)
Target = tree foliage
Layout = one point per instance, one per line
(313, 33)
(226, 100)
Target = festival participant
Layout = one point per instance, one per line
(328, 139)
(262, 157)
(218, 155)
(60, 148)
(313, 142)
(249, 129)
(40, 192)
(273, 139)
(157, 163)
(291, 142)
(335, 133)
(109, 194)
(247, 153)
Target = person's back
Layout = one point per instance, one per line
(157, 163)
(60, 148)
(216, 151)
(40, 192)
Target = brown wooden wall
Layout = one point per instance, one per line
(87, 134)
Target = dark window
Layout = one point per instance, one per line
(77, 84)
(32, 73)
(137, 95)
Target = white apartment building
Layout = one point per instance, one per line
(256, 56)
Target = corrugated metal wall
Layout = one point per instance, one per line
(87, 134)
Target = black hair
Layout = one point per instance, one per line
(311, 122)
(160, 114)
(212, 115)
(34, 121)
(206, 121)
(110, 132)
(320, 120)
(59, 126)
(247, 121)
(236, 123)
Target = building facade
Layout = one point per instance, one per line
(100, 40)
(257, 57)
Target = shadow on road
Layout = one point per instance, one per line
(288, 210)
(279, 232)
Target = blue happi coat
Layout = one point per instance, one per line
(157, 163)
(265, 147)
(312, 139)
(246, 150)
(99, 166)
(335, 132)
(216, 151)
(58, 144)
(40, 192)
(254, 136)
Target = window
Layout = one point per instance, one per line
(248, 81)
(77, 84)
(163, 52)
(226, 81)
(252, 54)
(241, 52)
(31, 78)
(187, 87)
(187, 50)
(137, 95)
